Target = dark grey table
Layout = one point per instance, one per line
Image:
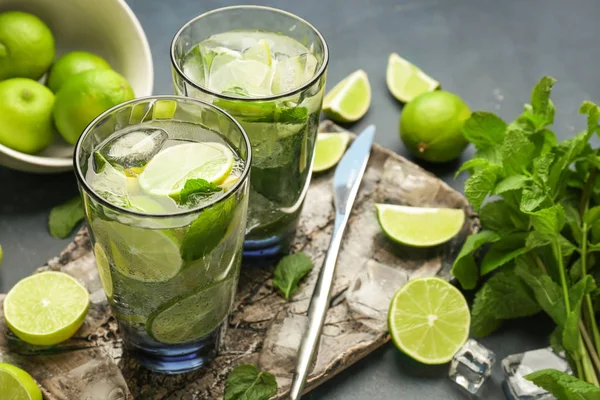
(489, 52)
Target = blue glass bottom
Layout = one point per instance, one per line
(266, 250)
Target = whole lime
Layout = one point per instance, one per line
(85, 96)
(25, 115)
(26, 46)
(71, 64)
(431, 126)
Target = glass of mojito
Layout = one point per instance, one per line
(266, 68)
(165, 187)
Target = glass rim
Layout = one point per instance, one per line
(316, 76)
(88, 189)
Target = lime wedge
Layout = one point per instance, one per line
(406, 81)
(145, 255)
(16, 384)
(419, 227)
(429, 320)
(47, 308)
(259, 52)
(103, 269)
(330, 149)
(350, 99)
(166, 173)
(192, 315)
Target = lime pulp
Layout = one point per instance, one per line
(330, 149)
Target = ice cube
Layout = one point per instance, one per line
(372, 290)
(135, 147)
(471, 366)
(516, 366)
(109, 183)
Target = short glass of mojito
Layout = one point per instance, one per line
(266, 68)
(164, 181)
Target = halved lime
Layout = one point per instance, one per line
(406, 81)
(350, 99)
(429, 320)
(145, 255)
(103, 269)
(192, 315)
(16, 384)
(417, 226)
(330, 149)
(47, 308)
(260, 51)
(168, 171)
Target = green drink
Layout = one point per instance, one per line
(164, 182)
(272, 83)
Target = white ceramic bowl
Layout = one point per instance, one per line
(104, 27)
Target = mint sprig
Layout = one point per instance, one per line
(289, 271)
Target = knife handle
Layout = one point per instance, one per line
(317, 310)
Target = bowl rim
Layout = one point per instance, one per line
(61, 163)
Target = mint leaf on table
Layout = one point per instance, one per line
(194, 187)
(246, 382)
(500, 253)
(480, 184)
(289, 271)
(484, 129)
(464, 268)
(65, 217)
(503, 296)
(564, 386)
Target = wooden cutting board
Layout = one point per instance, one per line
(263, 328)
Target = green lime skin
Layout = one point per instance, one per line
(85, 96)
(25, 115)
(431, 126)
(27, 382)
(71, 64)
(26, 46)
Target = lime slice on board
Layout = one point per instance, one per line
(103, 269)
(47, 308)
(145, 255)
(429, 320)
(192, 315)
(16, 384)
(167, 172)
(350, 99)
(417, 226)
(406, 81)
(330, 149)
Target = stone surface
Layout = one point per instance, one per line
(260, 315)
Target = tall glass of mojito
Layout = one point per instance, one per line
(165, 187)
(265, 67)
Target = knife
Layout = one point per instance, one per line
(346, 181)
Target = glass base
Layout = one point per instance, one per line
(263, 251)
(178, 358)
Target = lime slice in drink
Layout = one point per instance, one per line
(405, 81)
(16, 384)
(192, 315)
(167, 172)
(419, 227)
(103, 269)
(330, 149)
(429, 320)
(47, 308)
(350, 99)
(142, 254)
(260, 51)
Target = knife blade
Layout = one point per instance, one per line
(346, 182)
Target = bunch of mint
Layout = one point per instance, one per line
(542, 229)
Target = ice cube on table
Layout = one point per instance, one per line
(135, 147)
(471, 366)
(516, 366)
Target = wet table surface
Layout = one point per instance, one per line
(489, 52)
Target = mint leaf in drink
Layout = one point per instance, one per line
(517, 152)
(503, 296)
(65, 217)
(514, 182)
(289, 271)
(480, 184)
(195, 187)
(564, 386)
(503, 251)
(246, 382)
(484, 129)
(464, 268)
